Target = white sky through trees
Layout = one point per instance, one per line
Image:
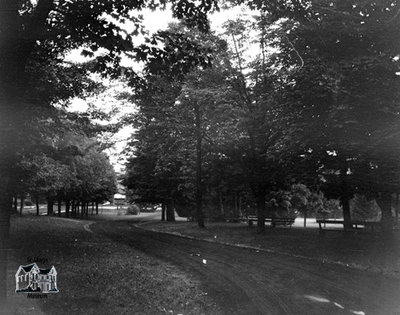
(152, 21)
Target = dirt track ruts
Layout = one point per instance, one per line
(244, 281)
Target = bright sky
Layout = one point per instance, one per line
(159, 20)
(153, 21)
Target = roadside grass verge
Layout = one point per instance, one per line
(97, 275)
(361, 250)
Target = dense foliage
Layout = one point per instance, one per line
(35, 36)
(317, 106)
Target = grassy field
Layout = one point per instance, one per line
(97, 275)
(361, 250)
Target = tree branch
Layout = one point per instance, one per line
(296, 51)
(38, 18)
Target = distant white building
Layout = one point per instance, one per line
(119, 200)
(119, 197)
(31, 278)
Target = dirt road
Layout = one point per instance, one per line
(244, 281)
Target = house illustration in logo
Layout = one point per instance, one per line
(31, 278)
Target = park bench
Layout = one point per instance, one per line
(355, 224)
(273, 221)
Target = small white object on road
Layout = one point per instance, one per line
(87, 228)
(204, 261)
(316, 299)
(338, 305)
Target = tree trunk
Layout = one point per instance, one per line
(385, 203)
(15, 204)
(5, 212)
(235, 205)
(97, 207)
(221, 204)
(261, 210)
(199, 195)
(82, 204)
(83, 209)
(170, 210)
(305, 218)
(163, 211)
(397, 209)
(21, 206)
(345, 201)
(50, 204)
(240, 205)
(67, 207)
(345, 197)
(37, 205)
(59, 207)
(199, 190)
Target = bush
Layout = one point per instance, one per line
(132, 210)
(28, 203)
(361, 208)
(330, 208)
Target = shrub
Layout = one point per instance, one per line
(28, 203)
(362, 208)
(330, 208)
(132, 209)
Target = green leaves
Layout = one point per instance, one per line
(346, 93)
(178, 55)
(43, 175)
(53, 28)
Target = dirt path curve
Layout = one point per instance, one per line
(244, 281)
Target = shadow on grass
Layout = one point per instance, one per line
(362, 250)
(96, 275)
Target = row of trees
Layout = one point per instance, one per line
(73, 171)
(35, 36)
(318, 105)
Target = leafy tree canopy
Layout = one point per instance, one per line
(51, 28)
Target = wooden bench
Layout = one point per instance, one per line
(273, 221)
(355, 224)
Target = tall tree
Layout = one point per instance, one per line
(256, 84)
(170, 121)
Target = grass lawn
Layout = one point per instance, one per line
(361, 250)
(97, 275)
